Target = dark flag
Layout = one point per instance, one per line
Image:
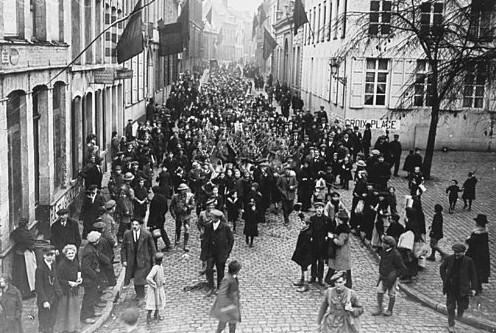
(209, 16)
(131, 42)
(299, 16)
(184, 20)
(171, 41)
(255, 24)
(262, 13)
(268, 45)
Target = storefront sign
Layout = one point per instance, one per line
(65, 201)
(124, 73)
(105, 76)
(379, 124)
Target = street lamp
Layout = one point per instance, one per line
(334, 63)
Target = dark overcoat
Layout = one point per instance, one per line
(218, 243)
(139, 262)
(302, 254)
(478, 250)
(468, 275)
(61, 236)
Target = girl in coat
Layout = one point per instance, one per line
(155, 293)
(478, 250)
(436, 232)
(251, 223)
(227, 306)
(233, 205)
(340, 309)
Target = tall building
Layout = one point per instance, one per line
(53, 95)
(368, 84)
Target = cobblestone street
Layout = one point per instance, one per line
(271, 304)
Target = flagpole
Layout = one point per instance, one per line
(96, 38)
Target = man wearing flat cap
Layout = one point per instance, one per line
(90, 209)
(218, 243)
(48, 291)
(64, 231)
(459, 282)
(390, 267)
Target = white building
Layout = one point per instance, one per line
(370, 81)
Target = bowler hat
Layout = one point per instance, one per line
(128, 176)
(481, 219)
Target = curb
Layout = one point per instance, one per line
(427, 301)
(110, 305)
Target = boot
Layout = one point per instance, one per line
(186, 239)
(299, 283)
(178, 238)
(303, 288)
(389, 310)
(380, 299)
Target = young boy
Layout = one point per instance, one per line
(452, 192)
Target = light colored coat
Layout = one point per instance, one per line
(155, 293)
(342, 261)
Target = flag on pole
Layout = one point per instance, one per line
(184, 20)
(268, 45)
(255, 24)
(209, 16)
(299, 16)
(131, 42)
(170, 38)
(262, 14)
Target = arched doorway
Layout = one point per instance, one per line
(16, 107)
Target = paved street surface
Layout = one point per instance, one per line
(457, 226)
(269, 301)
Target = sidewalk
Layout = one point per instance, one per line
(457, 227)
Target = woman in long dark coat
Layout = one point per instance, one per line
(252, 218)
(478, 250)
(302, 255)
(69, 275)
(469, 191)
(23, 242)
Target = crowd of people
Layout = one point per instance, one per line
(218, 152)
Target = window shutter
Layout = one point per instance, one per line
(328, 84)
(410, 67)
(341, 86)
(357, 83)
(396, 83)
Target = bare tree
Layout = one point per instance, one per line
(453, 38)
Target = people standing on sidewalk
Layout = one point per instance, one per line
(459, 277)
(47, 290)
(10, 306)
(137, 253)
(452, 192)
(23, 272)
(227, 305)
(468, 188)
(64, 231)
(340, 310)
(478, 250)
(390, 267)
(155, 293)
(219, 242)
(69, 275)
(436, 232)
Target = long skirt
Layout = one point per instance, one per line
(68, 312)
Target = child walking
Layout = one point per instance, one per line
(452, 192)
(155, 293)
(233, 205)
(251, 223)
(436, 233)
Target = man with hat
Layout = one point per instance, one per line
(106, 246)
(107, 218)
(218, 243)
(287, 185)
(93, 174)
(137, 252)
(115, 182)
(90, 209)
(395, 149)
(181, 206)
(92, 272)
(64, 231)
(390, 266)
(48, 291)
(320, 226)
(204, 219)
(459, 282)
(156, 216)
(478, 250)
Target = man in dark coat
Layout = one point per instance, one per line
(137, 253)
(305, 186)
(390, 267)
(367, 140)
(156, 216)
(302, 254)
(459, 282)
(64, 231)
(218, 242)
(93, 264)
(90, 209)
(287, 185)
(93, 174)
(395, 149)
(48, 291)
(417, 159)
(320, 226)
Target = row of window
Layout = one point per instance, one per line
(325, 21)
(377, 73)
